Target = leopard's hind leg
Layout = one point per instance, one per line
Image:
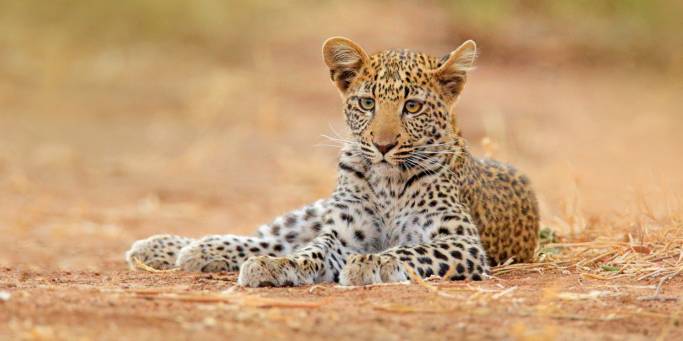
(227, 252)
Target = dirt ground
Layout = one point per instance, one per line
(99, 148)
(120, 304)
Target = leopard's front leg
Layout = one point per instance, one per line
(344, 233)
(454, 249)
(321, 260)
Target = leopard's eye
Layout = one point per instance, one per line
(412, 106)
(367, 103)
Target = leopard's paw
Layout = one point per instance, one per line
(371, 269)
(266, 271)
(158, 251)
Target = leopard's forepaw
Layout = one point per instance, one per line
(371, 269)
(265, 271)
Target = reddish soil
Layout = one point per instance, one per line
(122, 304)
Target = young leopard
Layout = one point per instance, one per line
(408, 194)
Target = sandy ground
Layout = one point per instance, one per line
(99, 151)
(117, 304)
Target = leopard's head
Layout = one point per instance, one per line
(398, 103)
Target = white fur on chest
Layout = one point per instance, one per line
(400, 224)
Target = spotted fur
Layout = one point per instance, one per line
(408, 194)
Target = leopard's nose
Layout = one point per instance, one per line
(384, 148)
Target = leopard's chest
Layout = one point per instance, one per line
(403, 213)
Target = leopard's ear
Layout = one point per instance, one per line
(452, 73)
(344, 58)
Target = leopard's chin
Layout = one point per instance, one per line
(385, 167)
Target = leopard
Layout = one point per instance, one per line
(410, 201)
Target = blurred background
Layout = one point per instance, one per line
(121, 119)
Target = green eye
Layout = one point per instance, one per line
(367, 103)
(412, 106)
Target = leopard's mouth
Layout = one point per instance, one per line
(386, 162)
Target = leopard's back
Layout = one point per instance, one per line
(503, 206)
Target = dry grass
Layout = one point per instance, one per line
(651, 253)
(605, 260)
(142, 266)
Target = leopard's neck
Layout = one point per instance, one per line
(388, 188)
